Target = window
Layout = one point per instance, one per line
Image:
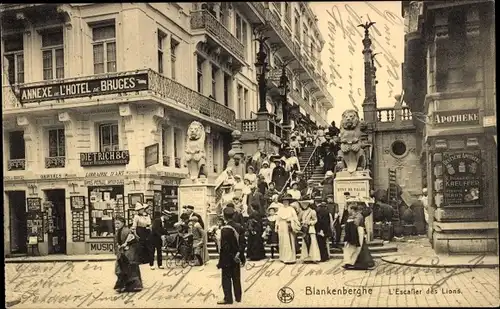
(224, 14)
(108, 137)
(240, 102)
(214, 81)
(297, 27)
(227, 82)
(305, 39)
(56, 143)
(288, 13)
(104, 204)
(173, 57)
(104, 38)
(245, 101)
(239, 35)
(199, 77)
(398, 148)
(244, 38)
(306, 96)
(53, 55)
(16, 145)
(14, 52)
(164, 138)
(161, 52)
(241, 31)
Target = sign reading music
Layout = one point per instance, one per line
(120, 157)
(82, 88)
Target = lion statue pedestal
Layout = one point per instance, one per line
(194, 153)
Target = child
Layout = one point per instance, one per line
(215, 232)
(270, 235)
(274, 202)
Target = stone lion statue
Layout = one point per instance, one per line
(194, 153)
(351, 146)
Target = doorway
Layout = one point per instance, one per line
(56, 217)
(18, 222)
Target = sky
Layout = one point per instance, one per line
(338, 23)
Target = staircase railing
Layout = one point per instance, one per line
(307, 170)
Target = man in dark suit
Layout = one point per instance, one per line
(158, 229)
(323, 228)
(231, 257)
(190, 212)
(237, 217)
(310, 192)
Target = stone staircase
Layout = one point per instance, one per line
(377, 249)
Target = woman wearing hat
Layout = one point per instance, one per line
(356, 252)
(141, 226)
(270, 234)
(199, 241)
(250, 175)
(287, 226)
(127, 263)
(327, 184)
(310, 249)
(293, 163)
(294, 190)
(266, 171)
(280, 175)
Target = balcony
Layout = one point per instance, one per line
(250, 129)
(16, 165)
(202, 22)
(147, 84)
(295, 95)
(55, 162)
(398, 117)
(281, 36)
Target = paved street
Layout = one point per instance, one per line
(90, 284)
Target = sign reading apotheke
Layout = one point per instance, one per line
(82, 88)
(447, 118)
(120, 157)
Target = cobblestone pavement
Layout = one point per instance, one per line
(90, 284)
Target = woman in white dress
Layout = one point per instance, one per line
(250, 175)
(287, 226)
(266, 171)
(310, 249)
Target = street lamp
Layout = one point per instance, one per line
(261, 67)
(283, 86)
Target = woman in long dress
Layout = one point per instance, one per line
(310, 249)
(199, 241)
(127, 262)
(356, 252)
(287, 226)
(255, 248)
(141, 226)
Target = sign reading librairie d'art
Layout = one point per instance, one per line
(120, 157)
(83, 88)
(464, 117)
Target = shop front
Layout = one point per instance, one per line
(458, 175)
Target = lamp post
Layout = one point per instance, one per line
(284, 103)
(261, 67)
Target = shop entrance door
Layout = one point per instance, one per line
(56, 215)
(18, 222)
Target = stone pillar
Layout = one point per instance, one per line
(129, 117)
(239, 155)
(31, 140)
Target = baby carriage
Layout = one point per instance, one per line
(179, 247)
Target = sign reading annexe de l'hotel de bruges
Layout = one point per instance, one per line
(82, 88)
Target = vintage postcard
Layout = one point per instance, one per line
(250, 154)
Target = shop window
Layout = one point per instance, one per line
(13, 52)
(398, 148)
(53, 55)
(105, 203)
(170, 202)
(104, 49)
(108, 137)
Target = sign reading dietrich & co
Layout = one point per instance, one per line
(120, 157)
(84, 88)
(449, 118)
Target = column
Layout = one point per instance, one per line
(129, 118)
(31, 137)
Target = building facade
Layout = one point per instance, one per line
(449, 83)
(97, 99)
